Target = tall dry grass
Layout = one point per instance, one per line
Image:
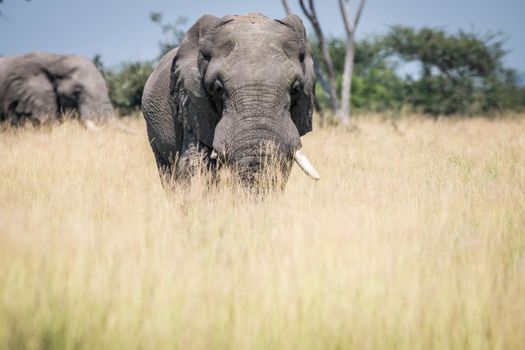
(413, 239)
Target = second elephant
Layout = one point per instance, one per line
(40, 86)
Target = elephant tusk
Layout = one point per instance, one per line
(305, 165)
(90, 125)
(214, 155)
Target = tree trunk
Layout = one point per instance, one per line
(344, 113)
(286, 7)
(350, 27)
(311, 14)
(334, 106)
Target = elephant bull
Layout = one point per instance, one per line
(41, 86)
(234, 86)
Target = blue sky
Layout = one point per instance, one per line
(120, 30)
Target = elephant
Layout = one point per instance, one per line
(40, 87)
(233, 87)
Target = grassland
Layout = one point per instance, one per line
(413, 239)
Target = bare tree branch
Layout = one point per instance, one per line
(286, 7)
(318, 71)
(1, 1)
(350, 27)
(305, 10)
(311, 14)
(345, 12)
(358, 14)
(320, 77)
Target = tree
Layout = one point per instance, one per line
(125, 83)
(173, 32)
(375, 84)
(311, 14)
(286, 7)
(97, 61)
(343, 110)
(318, 72)
(460, 73)
(350, 28)
(1, 1)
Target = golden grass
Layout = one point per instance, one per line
(413, 239)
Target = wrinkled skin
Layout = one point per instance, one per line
(39, 87)
(241, 86)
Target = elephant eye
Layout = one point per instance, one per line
(296, 87)
(77, 90)
(206, 56)
(217, 87)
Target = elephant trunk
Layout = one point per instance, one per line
(258, 144)
(257, 136)
(261, 155)
(95, 108)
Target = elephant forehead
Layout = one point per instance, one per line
(247, 38)
(247, 30)
(251, 18)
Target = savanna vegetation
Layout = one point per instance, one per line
(460, 73)
(412, 239)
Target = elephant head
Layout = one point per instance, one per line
(81, 87)
(244, 87)
(41, 86)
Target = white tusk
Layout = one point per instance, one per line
(214, 155)
(90, 125)
(304, 163)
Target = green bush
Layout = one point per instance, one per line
(125, 83)
(460, 73)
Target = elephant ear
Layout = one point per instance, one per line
(29, 96)
(192, 106)
(303, 108)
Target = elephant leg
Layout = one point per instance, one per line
(194, 157)
(165, 151)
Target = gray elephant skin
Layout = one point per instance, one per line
(238, 91)
(40, 86)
